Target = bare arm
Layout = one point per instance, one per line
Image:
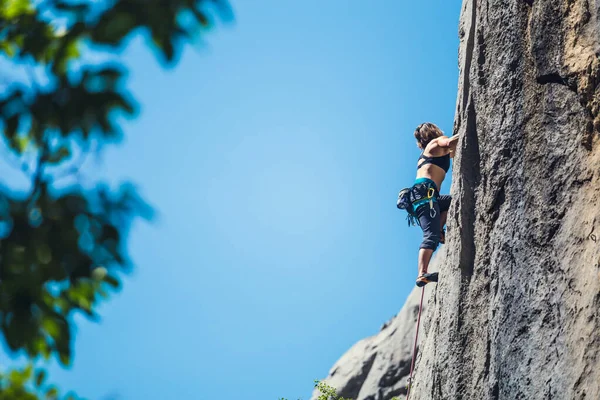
(449, 143)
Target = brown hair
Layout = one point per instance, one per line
(425, 133)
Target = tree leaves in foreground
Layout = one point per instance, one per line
(30, 384)
(62, 247)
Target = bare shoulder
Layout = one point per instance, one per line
(434, 148)
(431, 147)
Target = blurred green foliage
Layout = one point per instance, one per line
(30, 384)
(327, 392)
(61, 248)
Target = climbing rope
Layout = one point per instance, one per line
(414, 357)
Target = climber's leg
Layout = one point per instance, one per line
(424, 258)
(444, 203)
(443, 217)
(429, 219)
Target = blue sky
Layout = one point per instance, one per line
(273, 154)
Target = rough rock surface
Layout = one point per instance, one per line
(517, 312)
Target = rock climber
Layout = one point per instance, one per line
(430, 208)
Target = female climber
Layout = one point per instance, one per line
(430, 208)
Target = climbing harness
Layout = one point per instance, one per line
(409, 201)
(414, 357)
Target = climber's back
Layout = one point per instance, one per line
(434, 161)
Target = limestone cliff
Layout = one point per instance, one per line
(517, 312)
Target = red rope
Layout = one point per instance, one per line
(412, 365)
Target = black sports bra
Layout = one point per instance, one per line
(443, 161)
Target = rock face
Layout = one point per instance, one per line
(517, 312)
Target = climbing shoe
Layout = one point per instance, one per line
(426, 278)
(443, 236)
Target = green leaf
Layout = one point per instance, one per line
(46, 351)
(8, 48)
(12, 125)
(17, 377)
(28, 372)
(112, 281)
(68, 52)
(64, 358)
(59, 155)
(22, 143)
(201, 17)
(51, 326)
(40, 377)
(113, 27)
(16, 8)
(72, 50)
(52, 393)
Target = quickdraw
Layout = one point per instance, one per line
(430, 199)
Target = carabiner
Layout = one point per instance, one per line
(430, 194)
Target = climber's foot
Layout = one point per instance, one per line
(426, 278)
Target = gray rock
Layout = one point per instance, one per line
(516, 314)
